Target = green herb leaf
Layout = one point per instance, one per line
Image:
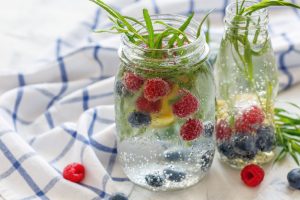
(181, 28)
(203, 20)
(172, 28)
(149, 28)
(267, 3)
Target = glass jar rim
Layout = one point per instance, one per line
(257, 13)
(195, 52)
(258, 19)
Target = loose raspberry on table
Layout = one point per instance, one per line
(143, 105)
(186, 105)
(132, 81)
(156, 88)
(249, 120)
(252, 175)
(191, 129)
(223, 130)
(74, 172)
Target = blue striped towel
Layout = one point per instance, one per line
(63, 112)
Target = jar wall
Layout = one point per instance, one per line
(154, 150)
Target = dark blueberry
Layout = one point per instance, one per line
(209, 128)
(265, 138)
(154, 180)
(120, 89)
(118, 196)
(227, 150)
(294, 178)
(172, 155)
(173, 175)
(244, 145)
(206, 160)
(138, 119)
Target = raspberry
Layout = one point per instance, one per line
(155, 89)
(250, 119)
(191, 129)
(252, 175)
(132, 81)
(223, 130)
(143, 105)
(74, 172)
(186, 105)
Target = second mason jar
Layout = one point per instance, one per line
(165, 111)
(247, 84)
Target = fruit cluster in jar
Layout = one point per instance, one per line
(247, 137)
(159, 103)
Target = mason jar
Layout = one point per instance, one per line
(165, 110)
(247, 85)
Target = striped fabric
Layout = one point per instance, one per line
(63, 112)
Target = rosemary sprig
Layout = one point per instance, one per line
(265, 4)
(152, 40)
(202, 22)
(288, 133)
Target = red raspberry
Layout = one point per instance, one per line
(223, 130)
(143, 105)
(191, 129)
(186, 105)
(74, 172)
(132, 81)
(155, 89)
(252, 175)
(251, 118)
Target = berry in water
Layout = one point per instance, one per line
(173, 175)
(223, 130)
(244, 145)
(155, 89)
(175, 155)
(209, 128)
(186, 105)
(252, 175)
(154, 180)
(191, 129)
(143, 105)
(226, 149)
(206, 160)
(120, 89)
(138, 119)
(132, 81)
(249, 120)
(294, 178)
(265, 138)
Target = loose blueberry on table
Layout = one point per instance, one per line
(294, 178)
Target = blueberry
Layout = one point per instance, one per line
(175, 176)
(244, 145)
(226, 148)
(154, 180)
(265, 138)
(118, 196)
(294, 178)
(138, 119)
(173, 155)
(206, 160)
(120, 89)
(209, 128)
